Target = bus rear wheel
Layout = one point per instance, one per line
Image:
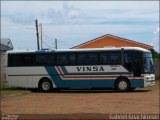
(45, 85)
(122, 85)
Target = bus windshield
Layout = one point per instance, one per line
(148, 63)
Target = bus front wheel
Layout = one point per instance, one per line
(122, 85)
(45, 85)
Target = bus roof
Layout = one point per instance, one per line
(78, 50)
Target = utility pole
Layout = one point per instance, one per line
(40, 25)
(56, 44)
(37, 34)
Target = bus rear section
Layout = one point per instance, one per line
(121, 69)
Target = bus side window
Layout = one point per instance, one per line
(39, 59)
(82, 59)
(103, 58)
(128, 62)
(62, 59)
(51, 59)
(110, 58)
(72, 59)
(27, 60)
(92, 59)
(45, 59)
(12, 60)
(115, 58)
(20, 60)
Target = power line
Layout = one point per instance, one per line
(47, 36)
(47, 45)
(50, 39)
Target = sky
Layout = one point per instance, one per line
(75, 22)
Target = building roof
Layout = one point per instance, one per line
(5, 44)
(111, 41)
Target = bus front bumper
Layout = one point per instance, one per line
(149, 80)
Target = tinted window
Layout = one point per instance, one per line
(72, 59)
(20, 59)
(12, 60)
(82, 58)
(104, 59)
(92, 58)
(110, 58)
(115, 58)
(128, 61)
(27, 60)
(62, 59)
(45, 59)
(87, 59)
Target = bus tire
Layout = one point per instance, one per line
(122, 85)
(45, 85)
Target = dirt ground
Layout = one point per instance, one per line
(141, 101)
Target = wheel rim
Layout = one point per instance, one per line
(122, 85)
(45, 85)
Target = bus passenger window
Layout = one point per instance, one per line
(72, 59)
(128, 62)
(45, 59)
(103, 58)
(82, 59)
(40, 59)
(92, 59)
(20, 60)
(115, 59)
(27, 60)
(62, 59)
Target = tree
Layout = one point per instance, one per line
(155, 54)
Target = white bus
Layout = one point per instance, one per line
(122, 69)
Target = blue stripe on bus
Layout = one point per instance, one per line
(137, 83)
(85, 83)
(80, 83)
